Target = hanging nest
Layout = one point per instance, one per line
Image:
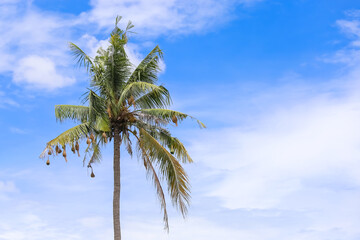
(104, 137)
(64, 155)
(57, 150)
(88, 141)
(77, 147)
(48, 162)
(92, 137)
(172, 151)
(49, 152)
(73, 148)
(175, 120)
(92, 175)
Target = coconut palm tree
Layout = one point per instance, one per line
(124, 105)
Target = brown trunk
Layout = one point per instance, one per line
(116, 197)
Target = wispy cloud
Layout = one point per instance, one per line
(34, 43)
(163, 17)
(33, 46)
(6, 101)
(39, 72)
(301, 154)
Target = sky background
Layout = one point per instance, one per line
(276, 82)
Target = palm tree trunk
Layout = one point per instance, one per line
(116, 197)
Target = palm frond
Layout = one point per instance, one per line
(157, 98)
(148, 68)
(96, 106)
(96, 154)
(117, 20)
(129, 26)
(68, 137)
(175, 146)
(137, 89)
(127, 141)
(170, 115)
(171, 170)
(117, 67)
(162, 135)
(74, 112)
(148, 121)
(102, 124)
(83, 60)
(150, 172)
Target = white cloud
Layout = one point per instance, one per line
(29, 226)
(7, 186)
(17, 130)
(298, 158)
(39, 72)
(192, 228)
(33, 46)
(92, 222)
(5, 101)
(297, 162)
(352, 28)
(29, 32)
(91, 45)
(163, 17)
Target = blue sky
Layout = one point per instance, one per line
(276, 82)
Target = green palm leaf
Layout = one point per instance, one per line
(170, 168)
(83, 60)
(169, 115)
(157, 98)
(78, 113)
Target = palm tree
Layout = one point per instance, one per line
(125, 105)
